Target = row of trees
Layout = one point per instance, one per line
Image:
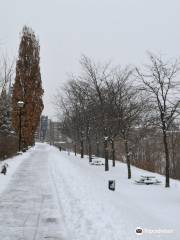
(116, 106)
(6, 75)
(8, 139)
(27, 88)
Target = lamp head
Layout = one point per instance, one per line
(20, 104)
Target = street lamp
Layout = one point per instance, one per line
(20, 105)
(106, 138)
(82, 144)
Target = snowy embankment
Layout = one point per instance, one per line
(93, 212)
(54, 195)
(13, 164)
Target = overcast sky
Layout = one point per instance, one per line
(117, 30)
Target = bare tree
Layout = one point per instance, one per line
(160, 83)
(128, 106)
(97, 75)
(6, 72)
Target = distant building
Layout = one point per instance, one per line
(42, 130)
(54, 132)
(49, 131)
(44, 127)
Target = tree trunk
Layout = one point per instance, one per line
(106, 155)
(75, 149)
(173, 156)
(82, 149)
(113, 153)
(166, 150)
(127, 158)
(90, 151)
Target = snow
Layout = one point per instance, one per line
(53, 195)
(92, 211)
(13, 164)
(29, 207)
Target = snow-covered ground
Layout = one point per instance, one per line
(56, 196)
(93, 212)
(13, 164)
(29, 207)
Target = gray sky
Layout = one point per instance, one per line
(117, 30)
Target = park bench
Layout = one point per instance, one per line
(96, 162)
(148, 180)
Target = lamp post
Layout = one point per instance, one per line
(89, 144)
(106, 152)
(20, 105)
(113, 151)
(82, 144)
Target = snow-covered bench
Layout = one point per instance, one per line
(97, 162)
(147, 180)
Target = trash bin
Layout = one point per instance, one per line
(111, 185)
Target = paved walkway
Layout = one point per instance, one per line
(29, 208)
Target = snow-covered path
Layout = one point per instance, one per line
(29, 208)
(92, 212)
(56, 196)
